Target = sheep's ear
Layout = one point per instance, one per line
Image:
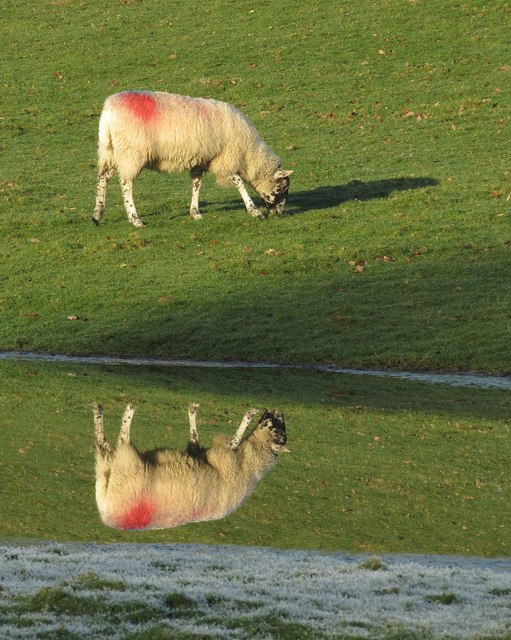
(283, 173)
(279, 448)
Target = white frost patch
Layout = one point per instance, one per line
(235, 592)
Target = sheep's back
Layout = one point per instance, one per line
(174, 133)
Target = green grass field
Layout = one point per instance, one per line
(395, 118)
(375, 465)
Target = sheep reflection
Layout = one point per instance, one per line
(165, 488)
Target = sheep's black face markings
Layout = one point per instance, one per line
(276, 200)
(274, 422)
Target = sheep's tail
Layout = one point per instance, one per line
(105, 146)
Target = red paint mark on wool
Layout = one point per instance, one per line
(140, 104)
(138, 516)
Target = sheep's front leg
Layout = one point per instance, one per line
(103, 178)
(196, 185)
(124, 433)
(247, 418)
(249, 204)
(127, 194)
(193, 441)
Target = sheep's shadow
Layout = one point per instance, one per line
(326, 197)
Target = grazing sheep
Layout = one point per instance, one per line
(172, 133)
(166, 488)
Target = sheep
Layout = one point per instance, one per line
(165, 488)
(173, 133)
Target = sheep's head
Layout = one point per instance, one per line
(273, 422)
(273, 190)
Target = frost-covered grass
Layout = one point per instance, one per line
(162, 592)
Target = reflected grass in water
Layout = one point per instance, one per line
(375, 465)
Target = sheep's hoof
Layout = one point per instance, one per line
(255, 213)
(137, 223)
(196, 214)
(96, 222)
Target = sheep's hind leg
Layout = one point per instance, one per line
(193, 442)
(196, 185)
(104, 455)
(247, 418)
(124, 433)
(102, 445)
(127, 194)
(103, 178)
(249, 204)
